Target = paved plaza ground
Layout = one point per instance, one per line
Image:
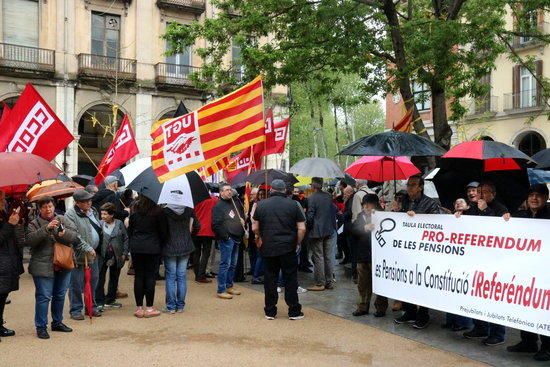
(214, 332)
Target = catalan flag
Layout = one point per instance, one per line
(405, 124)
(212, 168)
(203, 137)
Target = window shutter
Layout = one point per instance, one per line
(515, 86)
(21, 22)
(538, 71)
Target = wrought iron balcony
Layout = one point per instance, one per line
(174, 75)
(482, 105)
(105, 67)
(25, 60)
(524, 100)
(196, 7)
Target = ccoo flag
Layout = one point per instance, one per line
(214, 131)
(122, 149)
(33, 127)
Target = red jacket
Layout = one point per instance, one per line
(203, 211)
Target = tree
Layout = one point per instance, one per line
(446, 44)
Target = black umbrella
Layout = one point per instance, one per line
(182, 110)
(82, 180)
(511, 186)
(542, 158)
(394, 144)
(266, 176)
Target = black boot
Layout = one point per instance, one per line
(4, 332)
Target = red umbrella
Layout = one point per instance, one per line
(24, 169)
(88, 299)
(491, 155)
(382, 168)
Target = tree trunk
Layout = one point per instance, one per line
(322, 124)
(348, 130)
(312, 116)
(442, 130)
(336, 136)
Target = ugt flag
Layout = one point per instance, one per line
(214, 131)
(122, 149)
(33, 127)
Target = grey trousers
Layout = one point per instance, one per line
(322, 254)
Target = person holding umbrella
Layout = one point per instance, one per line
(51, 283)
(147, 233)
(416, 202)
(88, 226)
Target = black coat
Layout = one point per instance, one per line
(109, 196)
(11, 265)
(226, 223)
(147, 233)
(179, 241)
(362, 238)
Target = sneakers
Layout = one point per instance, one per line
(316, 288)
(379, 314)
(329, 286)
(493, 340)
(113, 305)
(269, 317)
(405, 318)
(61, 327)
(42, 334)
(77, 316)
(224, 295)
(475, 334)
(232, 291)
(279, 289)
(171, 312)
(301, 290)
(542, 356)
(139, 313)
(297, 317)
(523, 347)
(179, 310)
(151, 312)
(420, 324)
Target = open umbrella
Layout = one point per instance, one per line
(394, 144)
(538, 176)
(53, 188)
(542, 158)
(24, 169)
(382, 168)
(187, 190)
(88, 299)
(83, 180)
(268, 175)
(317, 167)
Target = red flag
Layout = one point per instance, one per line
(275, 144)
(122, 149)
(5, 115)
(33, 127)
(248, 160)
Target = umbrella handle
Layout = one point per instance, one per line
(85, 260)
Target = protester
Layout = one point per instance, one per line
(258, 268)
(110, 195)
(537, 196)
(12, 237)
(492, 334)
(181, 224)
(88, 227)
(92, 189)
(416, 202)
(252, 249)
(349, 192)
(228, 226)
(279, 225)
(321, 222)
(112, 255)
(51, 283)
(147, 232)
(203, 238)
(356, 209)
(362, 228)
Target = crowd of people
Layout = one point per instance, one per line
(281, 230)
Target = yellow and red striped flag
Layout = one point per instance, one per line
(405, 124)
(214, 131)
(212, 168)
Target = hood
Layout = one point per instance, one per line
(176, 212)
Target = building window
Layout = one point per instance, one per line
(20, 22)
(530, 143)
(529, 26)
(105, 34)
(422, 96)
(527, 89)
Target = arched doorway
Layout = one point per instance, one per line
(530, 142)
(167, 115)
(487, 138)
(96, 127)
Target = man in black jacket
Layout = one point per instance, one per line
(228, 226)
(279, 225)
(416, 202)
(110, 195)
(537, 196)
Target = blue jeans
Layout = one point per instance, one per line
(493, 330)
(457, 320)
(229, 251)
(54, 290)
(176, 281)
(258, 267)
(77, 287)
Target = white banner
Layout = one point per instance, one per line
(480, 267)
